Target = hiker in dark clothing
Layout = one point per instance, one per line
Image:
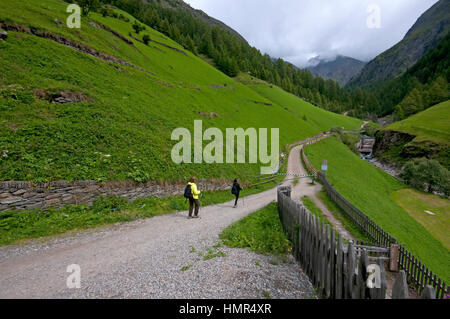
(235, 190)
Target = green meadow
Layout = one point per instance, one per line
(432, 211)
(313, 118)
(375, 193)
(122, 131)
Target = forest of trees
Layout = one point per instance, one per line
(420, 87)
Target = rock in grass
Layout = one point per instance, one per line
(3, 34)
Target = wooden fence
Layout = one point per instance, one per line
(418, 275)
(372, 230)
(336, 270)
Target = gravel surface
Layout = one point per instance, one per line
(161, 257)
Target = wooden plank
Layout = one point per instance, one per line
(428, 293)
(360, 286)
(333, 264)
(351, 261)
(327, 262)
(314, 251)
(400, 288)
(323, 258)
(372, 248)
(382, 291)
(319, 254)
(339, 268)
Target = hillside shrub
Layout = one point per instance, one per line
(146, 39)
(428, 175)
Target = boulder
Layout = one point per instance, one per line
(3, 34)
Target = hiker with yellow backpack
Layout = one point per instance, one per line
(191, 192)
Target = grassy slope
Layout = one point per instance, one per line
(371, 190)
(316, 118)
(432, 124)
(125, 132)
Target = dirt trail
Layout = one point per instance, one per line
(304, 188)
(142, 258)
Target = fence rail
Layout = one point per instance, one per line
(417, 274)
(337, 271)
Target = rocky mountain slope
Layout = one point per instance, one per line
(341, 70)
(425, 34)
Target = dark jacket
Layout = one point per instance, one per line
(236, 189)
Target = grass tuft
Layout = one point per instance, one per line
(261, 231)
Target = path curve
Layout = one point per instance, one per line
(160, 257)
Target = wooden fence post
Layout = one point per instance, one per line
(362, 275)
(382, 291)
(351, 261)
(327, 262)
(393, 258)
(333, 264)
(339, 268)
(319, 254)
(428, 293)
(314, 250)
(400, 288)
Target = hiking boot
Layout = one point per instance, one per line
(196, 216)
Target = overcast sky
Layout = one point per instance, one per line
(298, 30)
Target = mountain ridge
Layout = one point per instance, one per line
(426, 33)
(341, 69)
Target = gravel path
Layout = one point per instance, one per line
(161, 257)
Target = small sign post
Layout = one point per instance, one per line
(325, 166)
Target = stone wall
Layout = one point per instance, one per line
(26, 195)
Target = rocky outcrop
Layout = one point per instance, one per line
(3, 35)
(397, 147)
(62, 97)
(386, 139)
(114, 33)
